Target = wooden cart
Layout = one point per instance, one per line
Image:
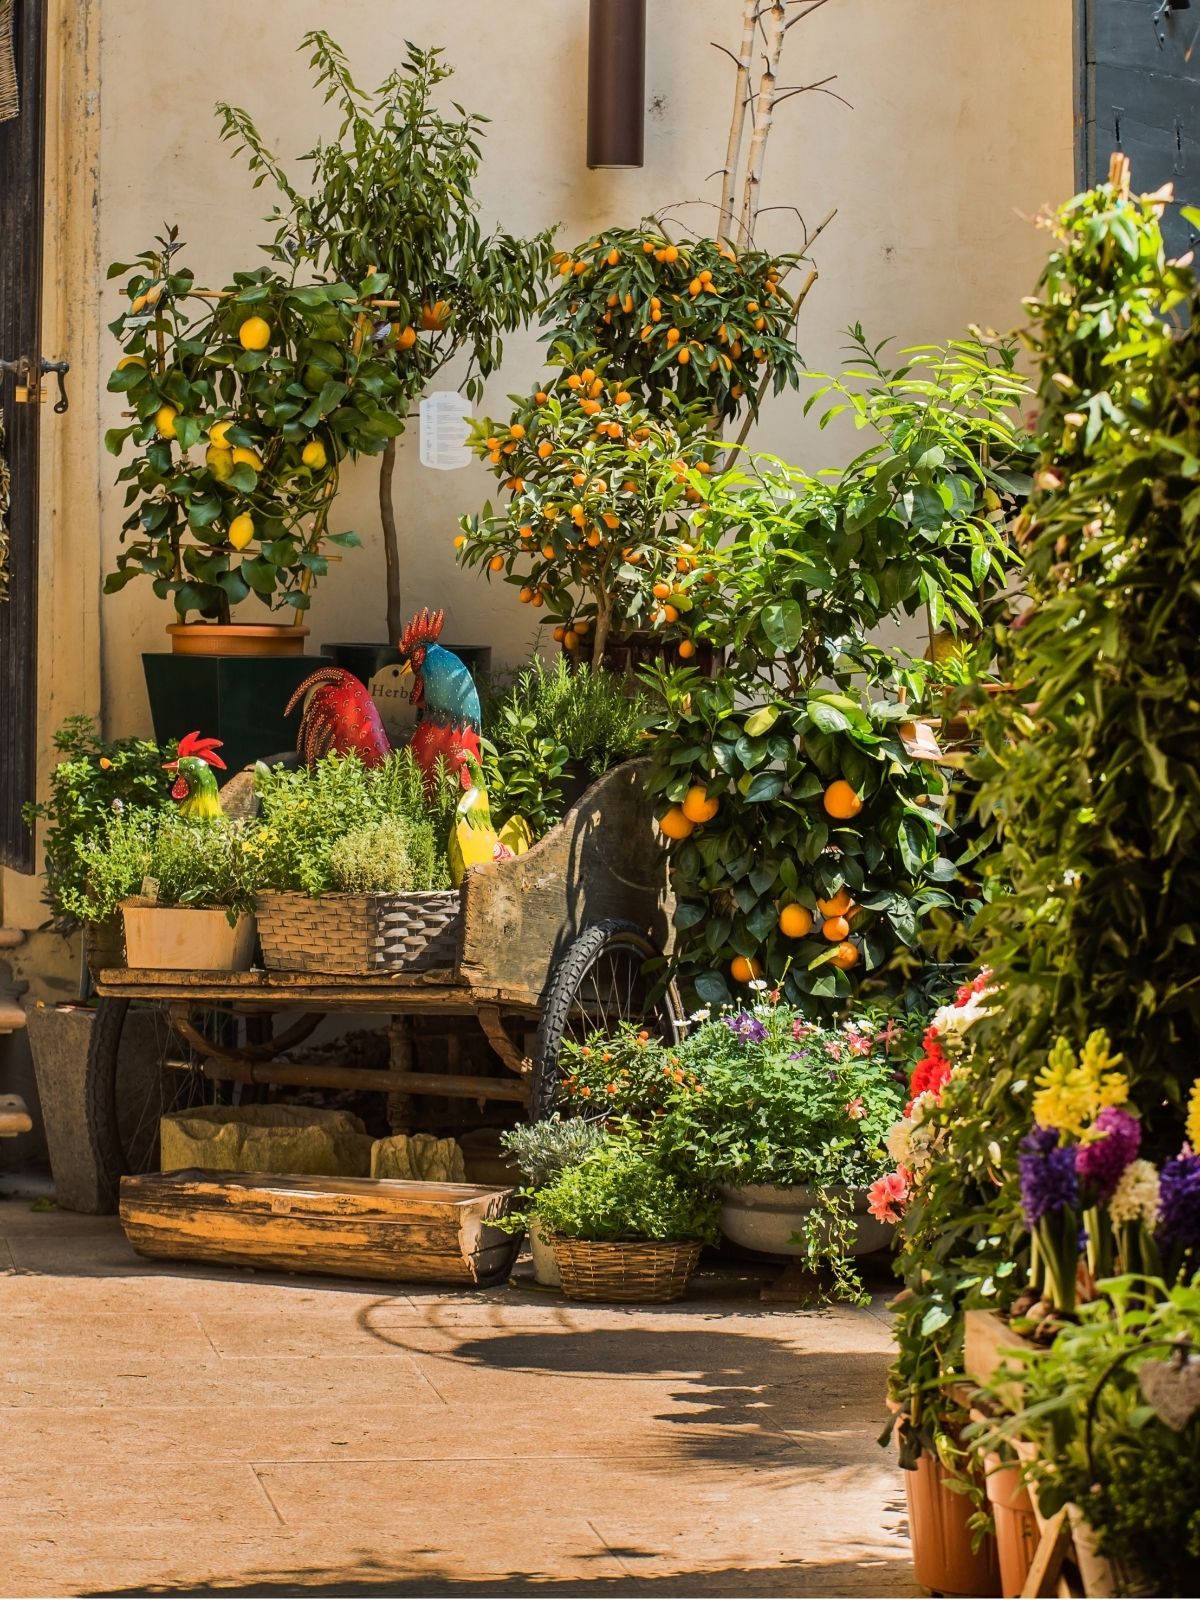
(553, 944)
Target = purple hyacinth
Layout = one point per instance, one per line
(1048, 1179)
(749, 1029)
(1179, 1201)
(1101, 1163)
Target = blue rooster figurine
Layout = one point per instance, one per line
(446, 695)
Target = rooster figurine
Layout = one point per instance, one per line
(445, 693)
(195, 788)
(340, 714)
(474, 837)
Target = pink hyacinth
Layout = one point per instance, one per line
(888, 1195)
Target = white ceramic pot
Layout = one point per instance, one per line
(761, 1217)
(545, 1267)
(178, 939)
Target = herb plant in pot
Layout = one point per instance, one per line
(543, 1151)
(352, 867)
(624, 1228)
(184, 889)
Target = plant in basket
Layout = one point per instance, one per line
(623, 1227)
(543, 1151)
(353, 867)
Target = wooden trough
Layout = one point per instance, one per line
(351, 1227)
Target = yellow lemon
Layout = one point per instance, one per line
(313, 455)
(247, 457)
(254, 333)
(130, 361)
(241, 531)
(219, 462)
(164, 421)
(218, 435)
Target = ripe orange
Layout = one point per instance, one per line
(525, 596)
(684, 357)
(835, 929)
(613, 257)
(742, 971)
(671, 253)
(496, 564)
(460, 540)
(845, 956)
(699, 806)
(541, 397)
(545, 449)
(795, 922)
(661, 591)
(571, 639)
(675, 825)
(559, 635)
(837, 905)
(686, 649)
(435, 317)
(254, 333)
(673, 337)
(842, 801)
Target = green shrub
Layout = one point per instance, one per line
(168, 859)
(96, 780)
(544, 1150)
(622, 1192)
(319, 827)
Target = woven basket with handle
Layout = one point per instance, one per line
(642, 1270)
(359, 932)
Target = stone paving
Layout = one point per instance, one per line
(179, 1430)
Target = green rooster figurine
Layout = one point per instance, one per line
(195, 788)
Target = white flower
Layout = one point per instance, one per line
(953, 1021)
(757, 983)
(910, 1142)
(899, 1142)
(702, 1015)
(1136, 1195)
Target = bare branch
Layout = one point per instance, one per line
(737, 126)
(764, 115)
(808, 11)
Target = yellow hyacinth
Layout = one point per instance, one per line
(1192, 1126)
(1073, 1090)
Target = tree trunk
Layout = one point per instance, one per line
(737, 125)
(391, 543)
(764, 115)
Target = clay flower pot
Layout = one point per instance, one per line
(237, 638)
(941, 1541)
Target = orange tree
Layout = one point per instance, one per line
(600, 524)
(695, 319)
(807, 836)
(239, 415)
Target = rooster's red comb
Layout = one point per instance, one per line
(423, 629)
(201, 749)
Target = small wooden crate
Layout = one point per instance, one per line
(989, 1344)
(356, 933)
(349, 1227)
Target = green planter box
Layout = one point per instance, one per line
(237, 699)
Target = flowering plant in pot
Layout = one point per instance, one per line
(784, 1117)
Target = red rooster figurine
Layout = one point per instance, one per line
(342, 716)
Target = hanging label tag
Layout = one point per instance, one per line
(444, 416)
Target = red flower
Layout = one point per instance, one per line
(888, 1195)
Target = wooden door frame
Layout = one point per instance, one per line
(22, 187)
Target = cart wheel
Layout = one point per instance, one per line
(600, 982)
(128, 1085)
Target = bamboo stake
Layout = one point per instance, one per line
(764, 116)
(741, 97)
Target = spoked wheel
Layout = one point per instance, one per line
(600, 982)
(140, 1066)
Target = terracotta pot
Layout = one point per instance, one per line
(182, 939)
(237, 638)
(1016, 1524)
(941, 1541)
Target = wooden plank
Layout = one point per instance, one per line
(328, 1075)
(347, 1227)
(989, 1344)
(605, 859)
(1048, 1558)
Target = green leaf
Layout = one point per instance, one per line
(761, 721)
(783, 624)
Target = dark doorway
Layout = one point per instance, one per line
(1138, 90)
(21, 162)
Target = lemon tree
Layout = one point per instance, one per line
(242, 405)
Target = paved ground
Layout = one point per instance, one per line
(178, 1431)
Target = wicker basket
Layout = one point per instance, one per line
(644, 1270)
(359, 932)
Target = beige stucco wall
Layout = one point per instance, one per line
(960, 130)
